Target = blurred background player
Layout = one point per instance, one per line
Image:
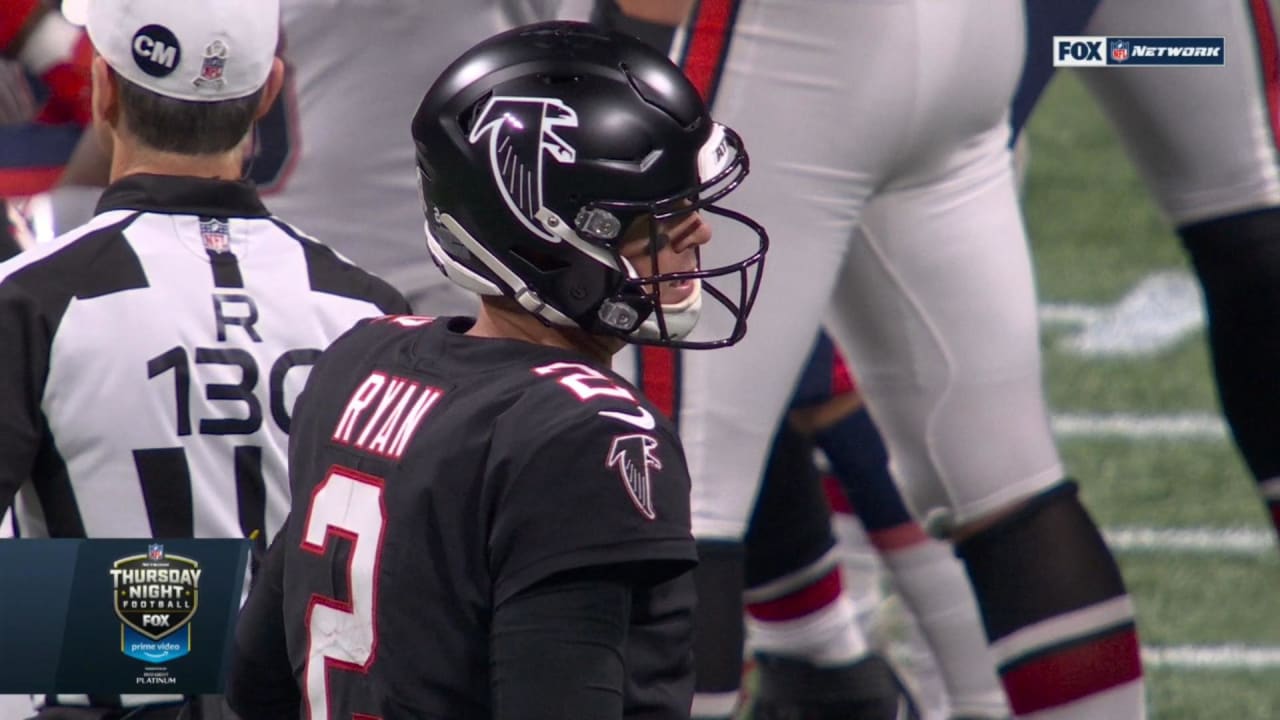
(1201, 165)
(182, 275)
(792, 556)
(1209, 172)
(933, 301)
(44, 106)
(547, 494)
(1215, 175)
(44, 95)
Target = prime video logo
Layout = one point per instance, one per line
(1102, 51)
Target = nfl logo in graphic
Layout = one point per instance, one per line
(212, 65)
(1119, 50)
(215, 234)
(155, 597)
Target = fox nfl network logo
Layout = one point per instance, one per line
(1104, 51)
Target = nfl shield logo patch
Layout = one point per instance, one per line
(155, 551)
(216, 235)
(212, 66)
(1119, 50)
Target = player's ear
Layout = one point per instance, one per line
(106, 93)
(275, 81)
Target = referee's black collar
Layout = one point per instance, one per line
(182, 195)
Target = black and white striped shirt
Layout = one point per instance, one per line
(150, 359)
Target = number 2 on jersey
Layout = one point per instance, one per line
(342, 636)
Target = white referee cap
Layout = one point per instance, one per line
(206, 51)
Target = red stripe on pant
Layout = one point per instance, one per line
(708, 45)
(886, 540)
(658, 378)
(805, 601)
(1269, 50)
(842, 380)
(836, 496)
(1066, 675)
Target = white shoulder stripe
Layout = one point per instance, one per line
(301, 236)
(40, 252)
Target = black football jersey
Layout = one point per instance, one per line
(434, 475)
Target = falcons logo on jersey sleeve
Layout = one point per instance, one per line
(522, 132)
(633, 456)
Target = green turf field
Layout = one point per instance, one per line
(1129, 383)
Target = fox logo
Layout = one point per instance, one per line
(522, 132)
(633, 455)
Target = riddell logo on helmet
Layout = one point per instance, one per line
(516, 153)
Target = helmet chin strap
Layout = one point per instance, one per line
(460, 274)
(679, 318)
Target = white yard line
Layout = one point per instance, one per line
(1137, 426)
(1212, 657)
(1151, 318)
(1069, 313)
(1200, 540)
(1230, 541)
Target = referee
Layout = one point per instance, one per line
(149, 360)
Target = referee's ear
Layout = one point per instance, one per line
(271, 89)
(105, 100)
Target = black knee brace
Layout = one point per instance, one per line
(1044, 560)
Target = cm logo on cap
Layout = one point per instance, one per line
(156, 51)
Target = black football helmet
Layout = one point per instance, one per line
(538, 149)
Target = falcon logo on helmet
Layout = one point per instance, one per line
(522, 133)
(547, 157)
